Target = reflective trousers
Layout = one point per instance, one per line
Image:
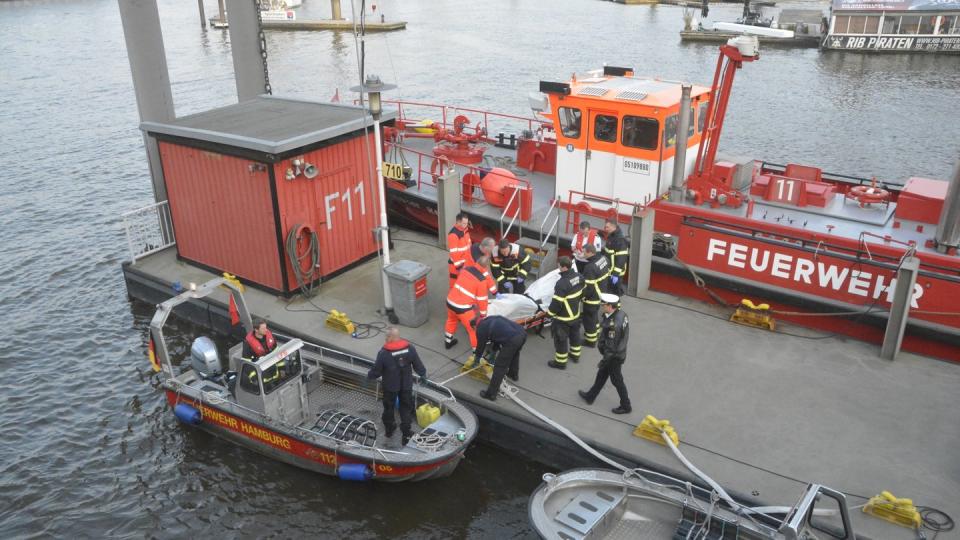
(469, 321)
(567, 340)
(591, 323)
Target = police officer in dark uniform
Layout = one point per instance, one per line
(617, 250)
(396, 362)
(614, 332)
(508, 338)
(595, 275)
(565, 308)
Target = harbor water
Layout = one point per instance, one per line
(90, 448)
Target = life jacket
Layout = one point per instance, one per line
(580, 241)
(257, 347)
(458, 244)
(472, 289)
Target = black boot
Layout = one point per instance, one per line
(450, 343)
(586, 397)
(622, 410)
(513, 378)
(485, 395)
(390, 431)
(557, 365)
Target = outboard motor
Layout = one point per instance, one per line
(204, 358)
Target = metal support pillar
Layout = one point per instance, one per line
(900, 308)
(203, 15)
(248, 64)
(448, 203)
(151, 79)
(641, 252)
(335, 13)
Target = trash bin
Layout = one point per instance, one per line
(408, 289)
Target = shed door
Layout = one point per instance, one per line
(601, 159)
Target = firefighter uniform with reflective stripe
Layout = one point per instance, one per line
(595, 281)
(617, 250)
(511, 268)
(580, 241)
(467, 302)
(458, 244)
(565, 309)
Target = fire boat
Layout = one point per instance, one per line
(819, 249)
(306, 405)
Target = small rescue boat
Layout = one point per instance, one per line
(598, 504)
(307, 405)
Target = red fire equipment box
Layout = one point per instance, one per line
(279, 192)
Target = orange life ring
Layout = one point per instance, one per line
(869, 194)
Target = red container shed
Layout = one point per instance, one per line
(253, 186)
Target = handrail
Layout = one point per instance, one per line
(421, 170)
(148, 229)
(320, 349)
(553, 227)
(443, 109)
(837, 176)
(516, 214)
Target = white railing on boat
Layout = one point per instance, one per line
(148, 229)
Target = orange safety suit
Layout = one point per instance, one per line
(467, 302)
(458, 244)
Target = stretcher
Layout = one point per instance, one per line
(529, 309)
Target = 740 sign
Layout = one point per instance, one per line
(392, 171)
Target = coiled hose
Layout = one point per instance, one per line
(304, 279)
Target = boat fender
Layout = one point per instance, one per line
(187, 414)
(355, 472)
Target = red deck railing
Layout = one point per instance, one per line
(407, 111)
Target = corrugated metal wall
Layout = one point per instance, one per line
(340, 203)
(222, 212)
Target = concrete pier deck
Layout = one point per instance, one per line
(762, 413)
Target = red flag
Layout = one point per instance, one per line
(234, 314)
(336, 97)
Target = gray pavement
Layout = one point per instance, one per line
(762, 413)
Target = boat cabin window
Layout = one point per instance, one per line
(569, 122)
(702, 117)
(282, 371)
(927, 24)
(890, 24)
(640, 132)
(856, 24)
(909, 24)
(249, 381)
(670, 129)
(949, 24)
(605, 128)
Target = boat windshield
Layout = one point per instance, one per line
(281, 371)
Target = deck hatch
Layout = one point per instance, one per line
(592, 91)
(632, 95)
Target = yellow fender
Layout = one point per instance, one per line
(652, 429)
(900, 511)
